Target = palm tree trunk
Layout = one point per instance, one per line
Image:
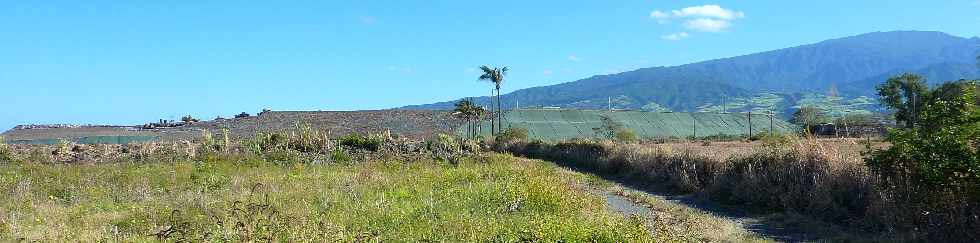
(500, 114)
(492, 121)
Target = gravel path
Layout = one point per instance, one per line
(757, 226)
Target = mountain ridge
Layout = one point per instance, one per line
(853, 65)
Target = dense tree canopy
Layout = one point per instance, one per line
(904, 94)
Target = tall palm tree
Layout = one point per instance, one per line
(495, 75)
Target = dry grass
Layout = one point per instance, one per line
(416, 124)
(823, 180)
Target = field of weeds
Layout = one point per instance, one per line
(234, 196)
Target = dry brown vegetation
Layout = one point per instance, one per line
(414, 124)
(824, 180)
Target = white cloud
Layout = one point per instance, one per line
(547, 72)
(675, 36)
(574, 58)
(709, 11)
(657, 14)
(661, 17)
(707, 25)
(705, 18)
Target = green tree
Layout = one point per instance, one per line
(905, 94)
(470, 113)
(189, 119)
(496, 76)
(934, 166)
(808, 116)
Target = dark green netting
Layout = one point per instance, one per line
(567, 124)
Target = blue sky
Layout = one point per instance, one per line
(129, 62)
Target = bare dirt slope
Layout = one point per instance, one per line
(404, 123)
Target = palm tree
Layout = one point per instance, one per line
(462, 112)
(470, 113)
(495, 75)
(476, 115)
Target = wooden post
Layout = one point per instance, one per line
(750, 124)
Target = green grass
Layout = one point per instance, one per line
(494, 198)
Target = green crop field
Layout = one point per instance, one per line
(568, 124)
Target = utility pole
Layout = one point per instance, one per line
(609, 103)
(750, 124)
(492, 114)
(724, 104)
(695, 137)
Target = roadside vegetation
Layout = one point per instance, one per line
(922, 185)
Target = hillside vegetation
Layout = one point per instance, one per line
(849, 67)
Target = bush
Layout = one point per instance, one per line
(189, 119)
(308, 140)
(339, 155)
(356, 141)
(626, 135)
(513, 134)
(774, 140)
(932, 170)
(5, 155)
(242, 115)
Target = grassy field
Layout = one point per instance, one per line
(494, 198)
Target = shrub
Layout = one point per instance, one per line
(5, 155)
(242, 115)
(513, 134)
(446, 147)
(269, 141)
(308, 140)
(338, 154)
(932, 169)
(626, 135)
(356, 141)
(208, 145)
(774, 140)
(189, 119)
